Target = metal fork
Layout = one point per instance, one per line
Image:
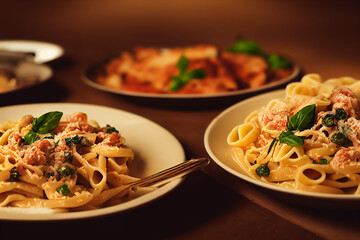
(156, 179)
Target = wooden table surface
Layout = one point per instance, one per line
(323, 36)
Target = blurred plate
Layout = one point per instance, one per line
(43, 51)
(92, 71)
(27, 74)
(151, 154)
(215, 140)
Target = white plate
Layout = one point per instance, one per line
(27, 74)
(91, 73)
(44, 51)
(218, 149)
(154, 147)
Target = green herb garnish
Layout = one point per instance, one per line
(76, 139)
(329, 120)
(63, 189)
(272, 144)
(46, 123)
(277, 62)
(291, 139)
(111, 129)
(321, 161)
(303, 119)
(65, 170)
(340, 139)
(246, 46)
(263, 171)
(48, 174)
(252, 48)
(14, 175)
(68, 157)
(184, 75)
(340, 114)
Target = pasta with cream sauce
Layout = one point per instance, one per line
(65, 163)
(308, 140)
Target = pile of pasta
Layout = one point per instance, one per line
(308, 140)
(65, 163)
(152, 70)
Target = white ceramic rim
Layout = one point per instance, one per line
(219, 162)
(175, 146)
(44, 51)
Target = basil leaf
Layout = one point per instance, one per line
(291, 139)
(177, 83)
(245, 46)
(197, 73)
(272, 144)
(285, 135)
(46, 123)
(277, 62)
(303, 119)
(182, 65)
(30, 137)
(185, 76)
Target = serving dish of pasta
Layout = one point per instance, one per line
(59, 163)
(199, 71)
(301, 141)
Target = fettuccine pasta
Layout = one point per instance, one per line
(66, 163)
(308, 140)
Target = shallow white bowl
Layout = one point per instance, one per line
(44, 51)
(154, 147)
(220, 152)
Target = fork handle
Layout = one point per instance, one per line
(170, 174)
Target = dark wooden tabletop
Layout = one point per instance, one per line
(322, 36)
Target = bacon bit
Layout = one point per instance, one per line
(109, 139)
(34, 156)
(60, 127)
(62, 147)
(273, 120)
(14, 140)
(345, 99)
(86, 127)
(77, 117)
(43, 145)
(73, 122)
(346, 156)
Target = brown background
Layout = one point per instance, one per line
(323, 36)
